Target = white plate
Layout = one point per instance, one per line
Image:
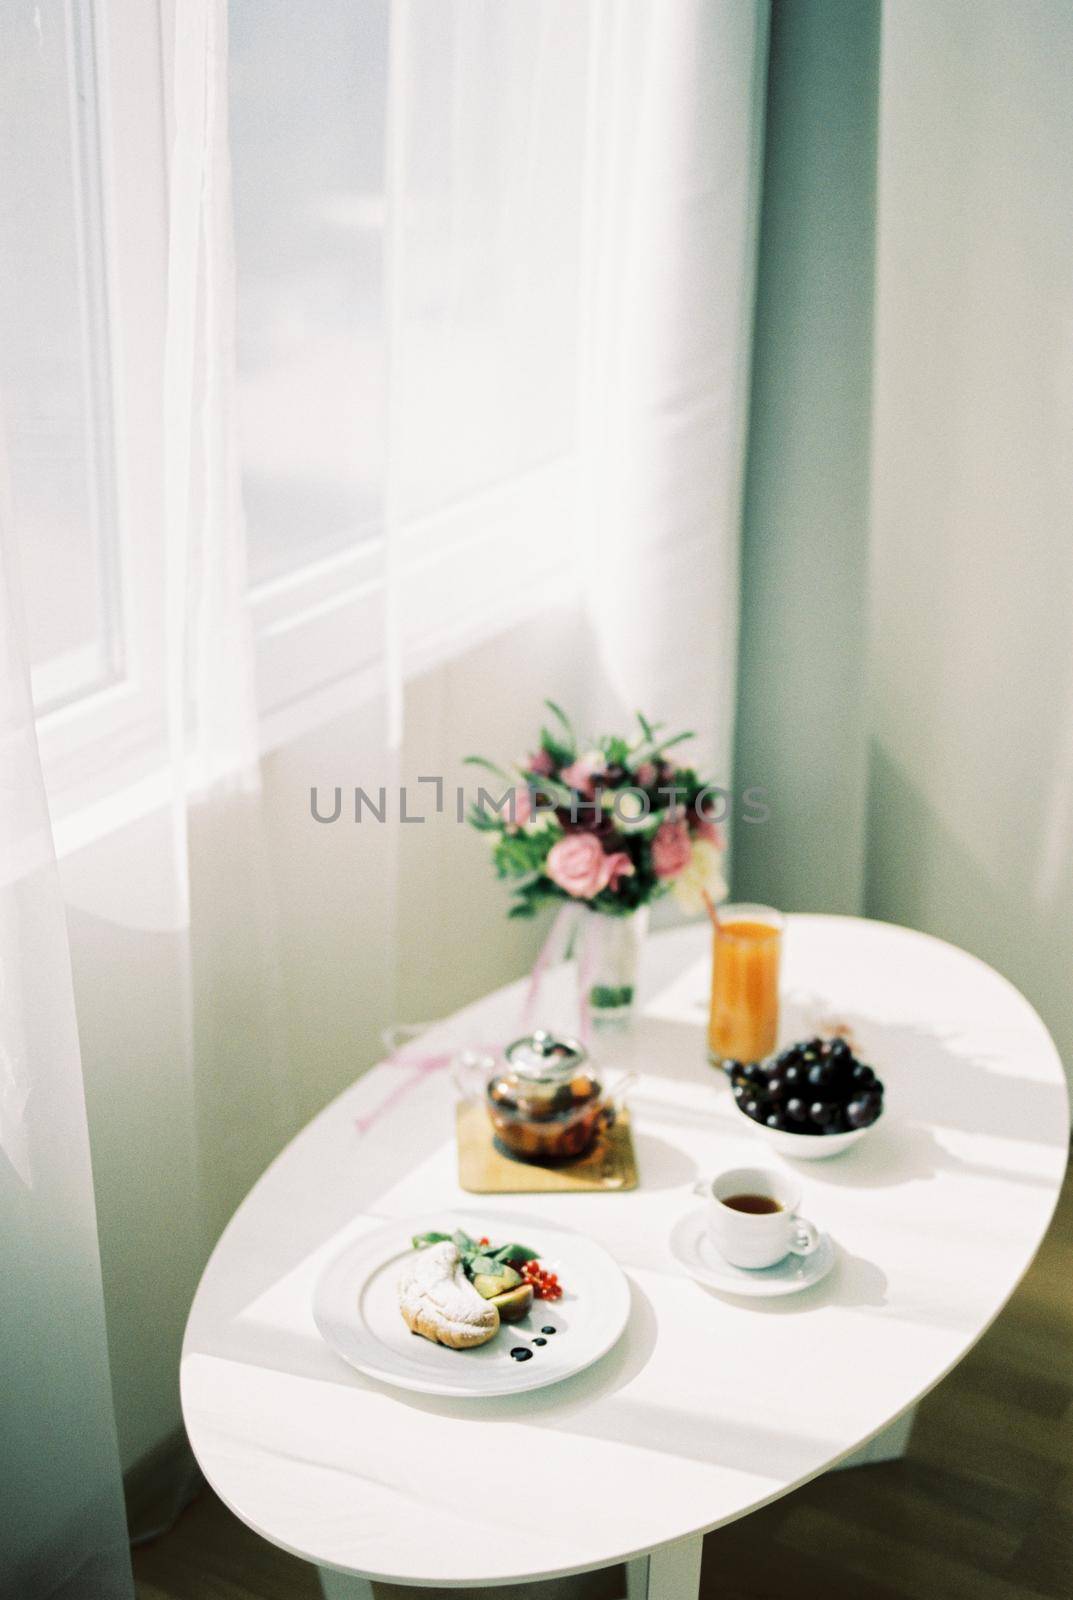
(693, 1250)
(356, 1308)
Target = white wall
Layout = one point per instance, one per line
(971, 820)
(908, 591)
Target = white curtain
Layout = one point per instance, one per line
(216, 878)
(676, 104)
(62, 1529)
(557, 384)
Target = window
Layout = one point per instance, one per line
(438, 246)
(409, 215)
(308, 119)
(82, 307)
(54, 353)
(409, 245)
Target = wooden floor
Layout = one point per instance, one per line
(980, 1509)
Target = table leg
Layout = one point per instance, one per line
(670, 1573)
(343, 1585)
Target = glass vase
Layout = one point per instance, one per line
(608, 958)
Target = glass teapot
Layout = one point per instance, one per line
(542, 1096)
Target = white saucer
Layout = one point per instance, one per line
(693, 1250)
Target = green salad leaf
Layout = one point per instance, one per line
(475, 1257)
(514, 1254)
(483, 1263)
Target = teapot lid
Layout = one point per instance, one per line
(541, 1057)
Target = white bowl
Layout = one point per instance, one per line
(808, 1146)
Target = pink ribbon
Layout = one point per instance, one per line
(552, 950)
(420, 1067)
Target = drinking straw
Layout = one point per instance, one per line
(710, 907)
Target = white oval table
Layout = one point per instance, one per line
(708, 1407)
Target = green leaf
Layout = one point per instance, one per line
(483, 821)
(514, 1254)
(489, 766)
(564, 721)
(665, 744)
(421, 1240)
(552, 789)
(483, 1263)
(603, 997)
(464, 1242)
(562, 754)
(520, 855)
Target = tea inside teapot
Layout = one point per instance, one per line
(545, 1103)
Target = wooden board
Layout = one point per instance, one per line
(483, 1168)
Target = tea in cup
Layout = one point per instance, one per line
(752, 1217)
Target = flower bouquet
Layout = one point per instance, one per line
(602, 830)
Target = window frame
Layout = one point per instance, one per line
(326, 635)
(101, 740)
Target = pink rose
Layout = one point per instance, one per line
(619, 866)
(578, 864)
(541, 763)
(671, 848)
(646, 775)
(580, 773)
(707, 829)
(522, 808)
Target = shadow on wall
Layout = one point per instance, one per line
(921, 873)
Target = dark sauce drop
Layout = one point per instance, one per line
(540, 1341)
(548, 1330)
(520, 1353)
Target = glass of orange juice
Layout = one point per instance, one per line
(744, 1018)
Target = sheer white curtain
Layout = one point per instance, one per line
(217, 878)
(546, 420)
(676, 103)
(574, 205)
(63, 1530)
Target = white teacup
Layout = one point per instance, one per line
(756, 1237)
